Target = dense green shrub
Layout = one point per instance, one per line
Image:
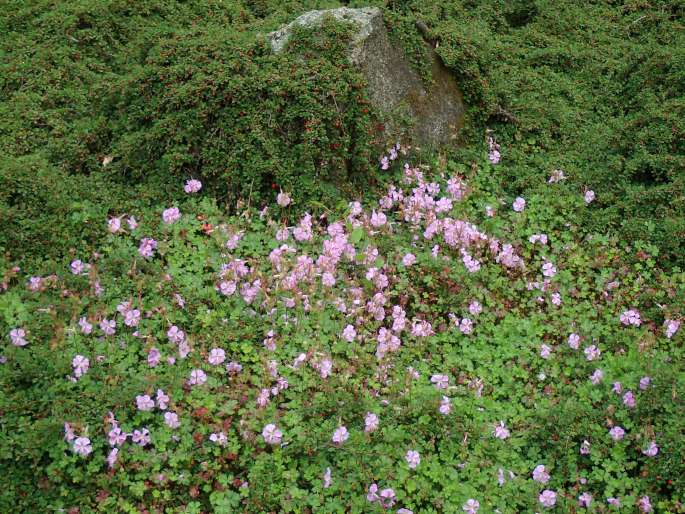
(172, 88)
(594, 88)
(48, 213)
(207, 104)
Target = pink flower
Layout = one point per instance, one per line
(340, 435)
(421, 328)
(349, 333)
(372, 495)
(218, 438)
(35, 284)
(144, 402)
(233, 368)
(216, 356)
(197, 377)
(540, 474)
(192, 186)
(597, 377)
(387, 498)
(82, 446)
(171, 215)
(557, 176)
(584, 500)
(153, 357)
(631, 317)
(378, 219)
(124, 307)
(494, 154)
(445, 406)
(545, 351)
(501, 431)
(162, 399)
(227, 287)
(80, 365)
(17, 337)
(282, 234)
(112, 457)
(116, 436)
(589, 196)
(585, 448)
(68, 432)
(147, 247)
(271, 434)
(303, 232)
(409, 259)
(325, 367)
(114, 225)
(548, 269)
(175, 334)
(629, 399)
(370, 422)
(263, 398)
(132, 318)
(651, 450)
(547, 498)
(86, 327)
(283, 199)
(614, 502)
(489, 211)
(171, 420)
(644, 382)
(78, 267)
(519, 204)
(466, 326)
(672, 327)
(644, 504)
(500, 477)
(132, 223)
(328, 279)
(592, 352)
(574, 341)
(107, 326)
(471, 506)
(327, 478)
(141, 437)
(617, 433)
(440, 381)
(472, 265)
(475, 308)
(541, 238)
(413, 458)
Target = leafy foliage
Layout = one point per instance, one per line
(172, 89)
(331, 321)
(107, 107)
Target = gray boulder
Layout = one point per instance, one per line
(434, 112)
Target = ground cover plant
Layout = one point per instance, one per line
(216, 295)
(441, 349)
